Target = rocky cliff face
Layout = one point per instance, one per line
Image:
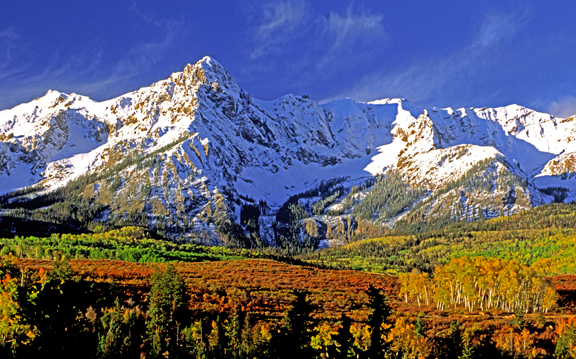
(196, 152)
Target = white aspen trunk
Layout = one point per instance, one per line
(490, 294)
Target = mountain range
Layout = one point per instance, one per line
(196, 157)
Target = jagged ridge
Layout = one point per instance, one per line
(195, 152)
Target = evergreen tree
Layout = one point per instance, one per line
(467, 347)
(167, 304)
(519, 318)
(419, 327)
(61, 269)
(295, 341)
(246, 348)
(455, 342)
(234, 334)
(566, 343)
(110, 342)
(379, 313)
(344, 338)
(217, 340)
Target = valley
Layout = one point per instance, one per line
(108, 282)
(189, 219)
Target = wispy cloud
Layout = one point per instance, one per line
(352, 27)
(83, 73)
(149, 53)
(281, 22)
(146, 54)
(146, 17)
(564, 107)
(345, 32)
(9, 38)
(425, 80)
(318, 38)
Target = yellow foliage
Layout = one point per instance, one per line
(514, 343)
(325, 335)
(265, 332)
(361, 335)
(13, 330)
(481, 283)
(405, 340)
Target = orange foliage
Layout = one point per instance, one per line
(256, 285)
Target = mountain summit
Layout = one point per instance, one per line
(197, 154)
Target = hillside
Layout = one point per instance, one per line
(195, 157)
(544, 237)
(115, 296)
(130, 244)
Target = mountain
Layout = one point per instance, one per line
(195, 156)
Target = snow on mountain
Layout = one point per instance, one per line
(195, 149)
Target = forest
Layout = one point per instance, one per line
(131, 244)
(503, 288)
(545, 236)
(481, 283)
(262, 308)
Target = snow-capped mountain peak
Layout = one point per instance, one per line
(195, 147)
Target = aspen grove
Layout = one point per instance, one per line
(480, 283)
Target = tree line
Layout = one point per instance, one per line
(131, 244)
(545, 234)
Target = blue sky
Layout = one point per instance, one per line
(434, 53)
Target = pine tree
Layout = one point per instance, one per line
(234, 334)
(167, 302)
(61, 269)
(379, 313)
(297, 328)
(455, 349)
(217, 340)
(566, 342)
(467, 347)
(110, 343)
(344, 337)
(419, 327)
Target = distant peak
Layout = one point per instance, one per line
(213, 67)
(209, 71)
(387, 101)
(52, 96)
(54, 93)
(210, 61)
(207, 63)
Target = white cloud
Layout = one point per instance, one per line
(316, 41)
(423, 81)
(8, 48)
(149, 53)
(82, 73)
(564, 107)
(281, 22)
(345, 32)
(350, 28)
